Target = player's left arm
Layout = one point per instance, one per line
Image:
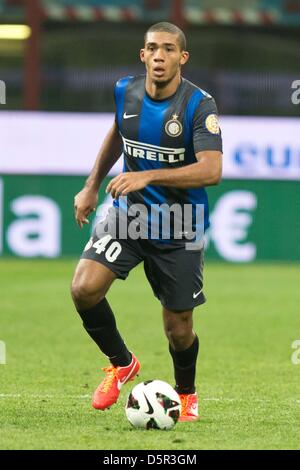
(207, 171)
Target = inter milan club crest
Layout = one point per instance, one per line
(173, 127)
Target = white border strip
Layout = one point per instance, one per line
(41, 143)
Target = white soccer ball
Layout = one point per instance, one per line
(153, 405)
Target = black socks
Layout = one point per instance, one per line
(185, 367)
(99, 321)
(100, 324)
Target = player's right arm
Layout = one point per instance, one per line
(86, 200)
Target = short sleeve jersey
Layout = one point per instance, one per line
(165, 133)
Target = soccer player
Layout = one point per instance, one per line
(168, 130)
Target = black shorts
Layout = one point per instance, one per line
(174, 273)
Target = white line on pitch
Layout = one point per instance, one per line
(19, 395)
(75, 397)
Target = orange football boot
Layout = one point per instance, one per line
(189, 407)
(107, 393)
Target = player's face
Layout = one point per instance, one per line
(162, 56)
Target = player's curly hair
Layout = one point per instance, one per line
(171, 28)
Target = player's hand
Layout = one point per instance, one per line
(126, 183)
(85, 202)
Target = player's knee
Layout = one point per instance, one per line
(85, 294)
(78, 290)
(177, 333)
(178, 336)
(178, 329)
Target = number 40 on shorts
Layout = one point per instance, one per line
(111, 252)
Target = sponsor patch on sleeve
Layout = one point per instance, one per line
(212, 124)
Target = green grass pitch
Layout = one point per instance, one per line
(248, 386)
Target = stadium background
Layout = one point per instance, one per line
(56, 103)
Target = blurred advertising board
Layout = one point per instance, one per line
(45, 157)
(250, 220)
(67, 144)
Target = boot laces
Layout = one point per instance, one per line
(184, 404)
(111, 374)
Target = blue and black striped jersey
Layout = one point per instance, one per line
(165, 134)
